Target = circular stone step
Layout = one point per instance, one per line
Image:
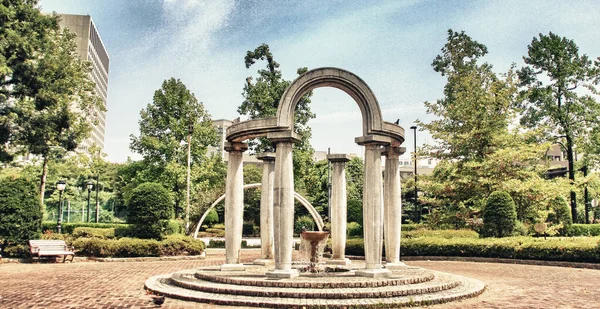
(254, 276)
(184, 285)
(189, 282)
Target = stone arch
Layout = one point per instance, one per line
(336, 78)
(311, 209)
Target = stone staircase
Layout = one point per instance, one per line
(408, 287)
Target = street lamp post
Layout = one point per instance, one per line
(414, 128)
(97, 201)
(89, 185)
(60, 186)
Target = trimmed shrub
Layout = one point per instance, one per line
(560, 214)
(211, 218)
(150, 207)
(89, 232)
(21, 214)
(304, 221)
(131, 247)
(354, 229)
(499, 215)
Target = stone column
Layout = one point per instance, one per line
(283, 204)
(266, 210)
(392, 207)
(234, 206)
(339, 213)
(373, 211)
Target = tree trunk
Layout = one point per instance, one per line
(571, 160)
(43, 184)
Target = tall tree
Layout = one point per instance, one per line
(261, 100)
(553, 101)
(164, 127)
(477, 103)
(47, 90)
(23, 33)
(470, 129)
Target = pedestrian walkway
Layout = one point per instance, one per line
(120, 284)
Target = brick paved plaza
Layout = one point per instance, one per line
(120, 284)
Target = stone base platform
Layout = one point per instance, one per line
(409, 287)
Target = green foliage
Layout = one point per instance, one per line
(165, 125)
(355, 211)
(354, 229)
(499, 215)
(221, 244)
(304, 221)
(130, 247)
(211, 218)
(21, 217)
(583, 230)
(150, 207)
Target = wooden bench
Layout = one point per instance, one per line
(41, 248)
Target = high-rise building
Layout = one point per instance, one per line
(91, 48)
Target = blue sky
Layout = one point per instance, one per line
(389, 44)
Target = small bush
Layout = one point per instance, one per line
(560, 214)
(215, 232)
(354, 229)
(150, 207)
(304, 221)
(21, 216)
(499, 215)
(89, 232)
(211, 218)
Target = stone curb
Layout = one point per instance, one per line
(83, 259)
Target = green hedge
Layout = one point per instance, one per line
(131, 247)
(440, 233)
(577, 249)
(89, 232)
(584, 230)
(68, 228)
(221, 244)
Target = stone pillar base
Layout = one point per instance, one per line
(264, 262)
(373, 273)
(344, 261)
(233, 267)
(396, 265)
(283, 274)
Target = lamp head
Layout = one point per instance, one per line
(61, 185)
(413, 127)
(89, 184)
